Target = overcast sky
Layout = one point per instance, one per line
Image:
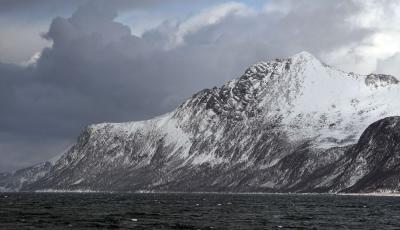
(67, 64)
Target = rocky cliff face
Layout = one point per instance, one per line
(282, 126)
(373, 164)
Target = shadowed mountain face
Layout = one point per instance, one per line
(373, 164)
(285, 125)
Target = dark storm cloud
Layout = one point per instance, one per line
(96, 70)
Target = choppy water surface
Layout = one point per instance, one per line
(196, 211)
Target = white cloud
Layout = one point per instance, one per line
(206, 18)
(281, 7)
(364, 56)
(32, 60)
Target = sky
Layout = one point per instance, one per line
(65, 64)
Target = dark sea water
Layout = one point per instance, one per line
(196, 211)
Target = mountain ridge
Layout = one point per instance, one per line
(269, 130)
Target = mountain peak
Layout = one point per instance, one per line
(304, 55)
(300, 59)
(305, 59)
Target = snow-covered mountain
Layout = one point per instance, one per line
(272, 129)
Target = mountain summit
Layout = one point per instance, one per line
(275, 128)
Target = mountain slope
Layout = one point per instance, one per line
(13, 182)
(375, 159)
(373, 164)
(269, 130)
(370, 165)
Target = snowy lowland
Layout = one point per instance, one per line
(285, 125)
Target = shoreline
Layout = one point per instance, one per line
(374, 194)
